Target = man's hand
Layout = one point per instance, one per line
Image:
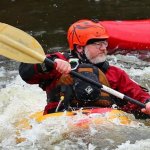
(62, 66)
(146, 110)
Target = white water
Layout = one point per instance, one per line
(19, 100)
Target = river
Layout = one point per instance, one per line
(47, 21)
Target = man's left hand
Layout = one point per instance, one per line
(146, 110)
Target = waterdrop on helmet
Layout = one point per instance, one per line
(82, 31)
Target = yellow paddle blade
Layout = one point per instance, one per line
(20, 46)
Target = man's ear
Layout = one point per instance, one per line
(79, 48)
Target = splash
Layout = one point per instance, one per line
(139, 145)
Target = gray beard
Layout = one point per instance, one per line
(96, 60)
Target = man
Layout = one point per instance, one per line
(88, 42)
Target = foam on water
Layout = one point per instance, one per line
(138, 145)
(17, 100)
(2, 70)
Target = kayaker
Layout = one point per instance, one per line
(88, 51)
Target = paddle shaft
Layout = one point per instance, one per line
(99, 85)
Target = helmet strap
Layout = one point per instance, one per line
(82, 56)
(79, 52)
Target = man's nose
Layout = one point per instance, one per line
(102, 48)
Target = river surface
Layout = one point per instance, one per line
(47, 21)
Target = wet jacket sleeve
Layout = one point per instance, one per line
(120, 81)
(26, 71)
(35, 73)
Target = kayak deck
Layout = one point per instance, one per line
(79, 118)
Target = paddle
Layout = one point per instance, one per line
(18, 45)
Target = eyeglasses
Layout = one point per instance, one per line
(100, 44)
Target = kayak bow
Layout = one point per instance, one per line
(76, 119)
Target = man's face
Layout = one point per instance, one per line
(96, 52)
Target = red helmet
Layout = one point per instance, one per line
(84, 30)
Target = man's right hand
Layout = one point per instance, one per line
(62, 66)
